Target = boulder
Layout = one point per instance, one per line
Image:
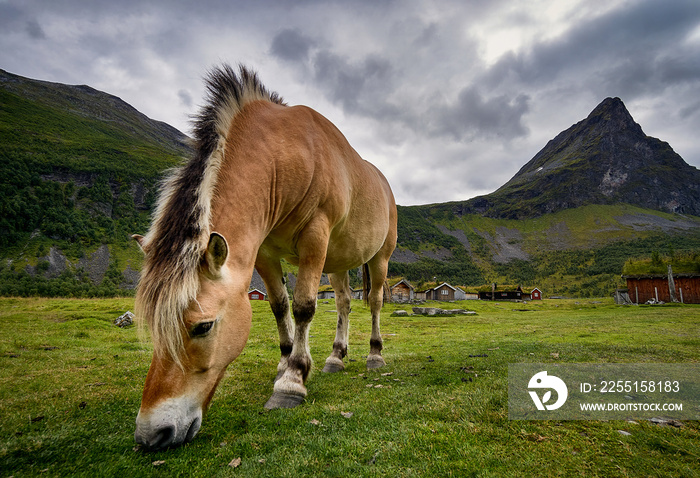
(400, 313)
(124, 320)
(430, 311)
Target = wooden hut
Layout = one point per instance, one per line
(440, 292)
(494, 292)
(657, 287)
(675, 279)
(325, 292)
(256, 294)
(401, 291)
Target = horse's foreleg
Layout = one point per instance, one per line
(289, 390)
(341, 287)
(271, 273)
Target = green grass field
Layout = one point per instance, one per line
(70, 386)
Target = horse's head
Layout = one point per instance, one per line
(208, 334)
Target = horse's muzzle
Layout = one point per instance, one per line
(171, 424)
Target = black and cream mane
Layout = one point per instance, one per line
(180, 229)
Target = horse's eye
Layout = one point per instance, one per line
(201, 329)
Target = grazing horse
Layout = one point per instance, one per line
(266, 182)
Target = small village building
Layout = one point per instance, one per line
(642, 288)
(535, 294)
(441, 292)
(422, 292)
(401, 291)
(470, 293)
(326, 292)
(495, 292)
(447, 292)
(657, 279)
(359, 294)
(256, 294)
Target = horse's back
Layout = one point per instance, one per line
(319, 175)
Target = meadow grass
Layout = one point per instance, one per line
(70, 387)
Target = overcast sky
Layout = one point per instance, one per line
(448, 98)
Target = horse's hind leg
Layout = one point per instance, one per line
(341, 287)
(378, 267)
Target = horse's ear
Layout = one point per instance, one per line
(140, 240)
(217, 252)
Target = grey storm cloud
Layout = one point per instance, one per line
(473, 115)
(34, 29)
(624, 49)
(185, 98)
(291, 45)
(365, 87)
(360, 87)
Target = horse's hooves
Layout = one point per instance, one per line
(375, 361)
(283, 400)
(333, 366)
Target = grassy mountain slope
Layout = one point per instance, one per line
(78, 170)
(578, 251)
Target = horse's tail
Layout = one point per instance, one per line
(366, 283)
(387, 292)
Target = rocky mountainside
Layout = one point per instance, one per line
(604, 159)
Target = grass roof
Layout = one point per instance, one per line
(658, 265)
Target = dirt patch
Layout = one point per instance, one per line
(404, 256)
(559, 237)
(457, 234)
(96, 264)
(439, 254)
(505, 245)
(649, 222)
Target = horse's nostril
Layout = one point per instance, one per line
(161, 439)
(194, 428)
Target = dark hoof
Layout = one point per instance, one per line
(334, 365)
(283, 400)
(375, 361)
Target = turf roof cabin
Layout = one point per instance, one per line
(326, 292)
(441, 292)
(507, 292)
(649, 279)
(401, 290)
(686, 288)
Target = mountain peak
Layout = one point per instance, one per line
(612, 115)
(612, 105)
(604, 159)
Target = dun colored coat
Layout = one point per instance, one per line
(267, 182)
